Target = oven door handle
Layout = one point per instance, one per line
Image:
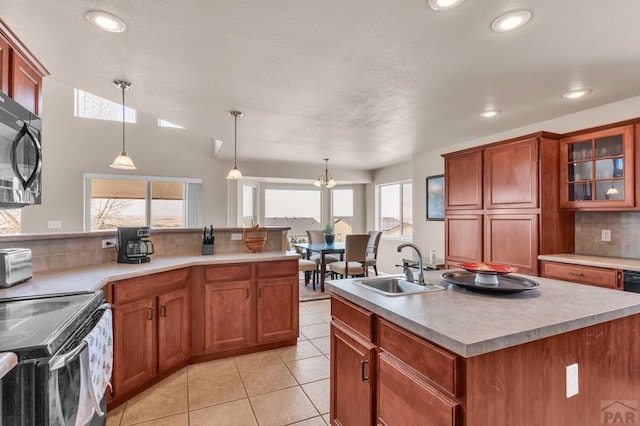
(59, 361)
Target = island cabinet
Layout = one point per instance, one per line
(597, 169)
(601, 277)
(384, 374)
(21, 73)
(502, 204)
(389, 378)
(353, 365)
(244, 307)
(151, 328)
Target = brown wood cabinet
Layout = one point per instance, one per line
(353, 369)
(416, 382)
(463, 177)
(21, 73)
(597, 170)
(519, 217)
(151, 328)
(245, 305)
(352, 377)
(601, 277)
(391, 378)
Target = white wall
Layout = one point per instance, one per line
(74, 146)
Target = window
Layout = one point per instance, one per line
(114, 201)
(249, 205)
(10, 221)
(87, 105)
(299, 209)
(342, 212)
(165, 123)
(395, 216)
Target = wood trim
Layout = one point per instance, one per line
(542, 134)
(17, 44)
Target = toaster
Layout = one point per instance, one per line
(15, 266)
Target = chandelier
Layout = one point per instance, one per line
(325, 179)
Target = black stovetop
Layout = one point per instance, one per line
(37, 327)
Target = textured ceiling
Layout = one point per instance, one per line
(366, 83)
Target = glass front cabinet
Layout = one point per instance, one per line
(597, 170)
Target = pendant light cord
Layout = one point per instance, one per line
(123, 88)
(235, 140)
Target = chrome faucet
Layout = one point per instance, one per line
(407, 271)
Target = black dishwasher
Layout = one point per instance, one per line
(631, 281)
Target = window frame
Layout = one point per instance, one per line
(192, 200)
(378, 220)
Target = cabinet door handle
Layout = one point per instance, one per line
(247, 290)
(150, 313)
(362, 366)
(163, 311)
(578, 274)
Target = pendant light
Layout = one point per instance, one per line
(235, 173)
(123, 161)
(612, 190)
(325, 179)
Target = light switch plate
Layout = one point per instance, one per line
(572, 380)
(236, 237)
(606, 235)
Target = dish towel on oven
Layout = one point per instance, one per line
(96, 364)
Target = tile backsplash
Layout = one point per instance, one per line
(625, 234)
(83, 249)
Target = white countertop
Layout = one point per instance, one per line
(599, 261)
(472, 323)
(94, 277)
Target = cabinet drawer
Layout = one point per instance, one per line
(237, 272)
(601, 277)
(352, 316)
(437, 365)
(151, 285)
(282, 268)
(404, 398)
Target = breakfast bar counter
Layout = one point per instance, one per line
(94, 277)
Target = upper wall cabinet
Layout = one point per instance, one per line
(463, 181)
(20, 72)
(511, 175)
(597, 170)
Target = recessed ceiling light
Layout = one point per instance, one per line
(510, 21)
(490, 113)
(106, 21)
(444, 4)
(575, 94)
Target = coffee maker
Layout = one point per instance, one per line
(133, 247)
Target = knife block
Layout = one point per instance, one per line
(207, 248)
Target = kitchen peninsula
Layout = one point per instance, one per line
(460, 357)
(178, 310)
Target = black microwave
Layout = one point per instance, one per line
(20, 155)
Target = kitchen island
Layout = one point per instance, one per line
(461, 357)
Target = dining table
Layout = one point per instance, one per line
(323, 249)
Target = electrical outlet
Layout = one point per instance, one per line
(606, 235)
(108, 242)
(54, 224)
(236, 237)
(572, 380)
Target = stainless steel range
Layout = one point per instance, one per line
(52, 336)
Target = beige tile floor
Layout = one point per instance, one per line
(288, 386)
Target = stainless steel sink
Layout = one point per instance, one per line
(395, 286)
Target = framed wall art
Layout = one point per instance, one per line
(435, 197)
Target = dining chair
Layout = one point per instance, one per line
(355, 255)
(372, 251)
(310, 269)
